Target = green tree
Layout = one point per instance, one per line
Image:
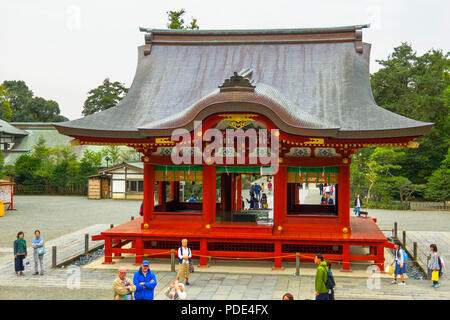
(438, 185)
(19, 94)
(177, 22)
(417, 87)
(27, 108)
(5, 106)
(105, 96)
(27, 168)
(2, 164)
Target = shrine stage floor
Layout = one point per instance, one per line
(244, 240)
(364, 230)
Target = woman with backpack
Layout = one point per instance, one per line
(330, 284)
(184, 261)
(400, 267)
(434, 265)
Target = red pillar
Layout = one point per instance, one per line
(163, 195)
(277, 262)
(209, 194)
(172, 190)
(139, 251)
(280, 196)
(203, 252)
(239, 192)
(160, 192)
(233, 192)
(149, 192)
(296, 194)
(176, 191)
(346, 257)
(380, 257)
(108, 251)
(344, 195)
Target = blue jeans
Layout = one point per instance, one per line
(357, 211)
(323, 296)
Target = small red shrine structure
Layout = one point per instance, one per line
(309, 87)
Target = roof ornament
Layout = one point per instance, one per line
(237, 83)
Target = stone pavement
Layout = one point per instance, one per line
(56, 216)
(62, 284)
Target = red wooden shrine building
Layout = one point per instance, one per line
(312, 85)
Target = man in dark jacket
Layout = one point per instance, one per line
(145, 281)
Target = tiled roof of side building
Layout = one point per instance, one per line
(311, 82)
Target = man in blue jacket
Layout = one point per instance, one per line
(145, 281)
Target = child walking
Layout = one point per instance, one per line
(400, 267)
(433, 265)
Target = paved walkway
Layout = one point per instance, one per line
(57, 216)
(75, 283)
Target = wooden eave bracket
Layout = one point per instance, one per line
(148, 43)
(358, 41)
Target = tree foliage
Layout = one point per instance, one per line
(105, 96)
(416, 87)
(5, 106)
(177, 22)
(438, 185)
(27, 108)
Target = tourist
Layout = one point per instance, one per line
(357, 205)
(321, 277)
(330, 200)
(327, 189)
(400, 267)
(184, 261)
(20, 253)
(331, 281)
(251, 203)
(264, 201)
(192, 199)
(141, 210)
(176, 291)
(288, 296)
(433, 265)
(269, 187)
(38, 252)
(252, 190)
(258, 191)
(324, 199)
(262, 187)
(123, 287)
(145, 281)
(321, 188)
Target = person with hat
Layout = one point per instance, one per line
(321, 278)
(145, 281)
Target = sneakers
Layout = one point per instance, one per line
(36, 273)
(402, 284)
(437, 285)
(432, 285)
(187, 283)
(394, 282)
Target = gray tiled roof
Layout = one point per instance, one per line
(320, 89)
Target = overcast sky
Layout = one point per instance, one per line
(62, 49)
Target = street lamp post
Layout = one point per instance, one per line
(107, 160)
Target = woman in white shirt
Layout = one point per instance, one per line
(184, 259)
